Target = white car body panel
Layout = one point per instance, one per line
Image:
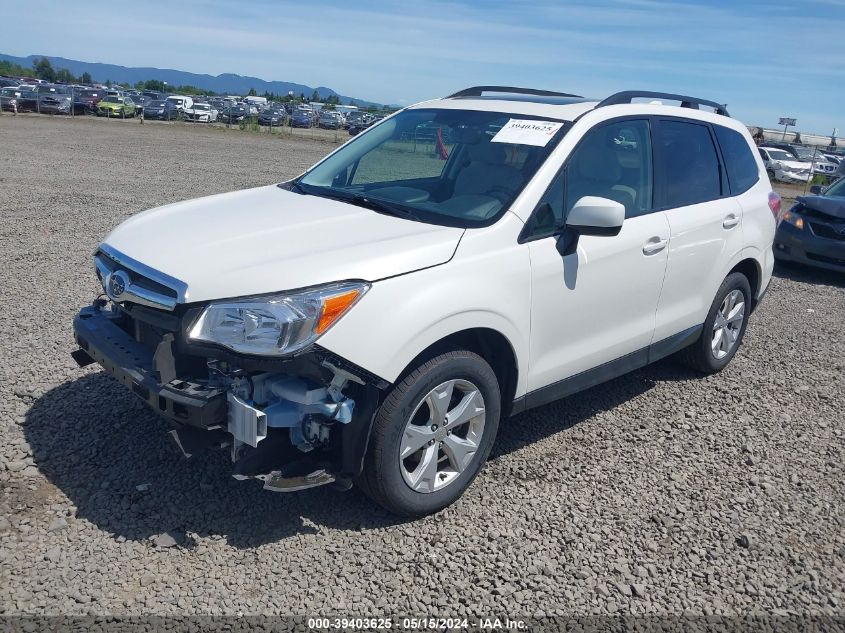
(267, 239)
(597, 304)
(487, 285)
(699, 243)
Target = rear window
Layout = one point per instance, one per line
(687, 164)
(739, 161)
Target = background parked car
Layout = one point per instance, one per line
(798, 151)
(180, 103)
(28, 100)
(234, 113)
(9, 98)
(85, 100)
(156, 109)
(824, 167)
(272, 116)
(140, 101)
(781, 165)
(112, 106)
(330, 120)
(53, 99)
(302, 118)
(813, 231)
(199, 113)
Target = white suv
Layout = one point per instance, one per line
(467, 258)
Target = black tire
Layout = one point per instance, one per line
(381, 479)
(699, 355)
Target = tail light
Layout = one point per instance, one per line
(774, 203)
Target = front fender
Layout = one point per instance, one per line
(485, 285)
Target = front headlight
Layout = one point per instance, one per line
(794, 219)
(276, 325)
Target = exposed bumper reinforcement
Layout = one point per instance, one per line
(180, 401)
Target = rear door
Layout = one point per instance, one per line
(705, 221)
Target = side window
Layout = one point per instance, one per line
(549, 214)
(763, 155)
(687, 163)
(739, 161)
(613, 161)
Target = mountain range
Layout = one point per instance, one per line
(227, 83)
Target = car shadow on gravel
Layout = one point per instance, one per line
(808, 274)
(112, 457)
(537, 424)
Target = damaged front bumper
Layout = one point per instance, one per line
(292, 424)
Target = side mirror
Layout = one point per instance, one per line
(591, 215)
(816, 190)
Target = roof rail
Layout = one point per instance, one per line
(477, 91)
(686, 102)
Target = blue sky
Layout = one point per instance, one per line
(765, 59)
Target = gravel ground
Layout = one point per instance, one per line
(661, 492)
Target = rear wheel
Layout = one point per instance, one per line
(432, 434)
(724, 327)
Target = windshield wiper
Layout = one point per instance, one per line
(378, 206)
(294, 185)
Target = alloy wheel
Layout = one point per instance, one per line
(728, 324)
(442, 435)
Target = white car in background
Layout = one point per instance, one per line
(371, 320)
(783, 166)
(179, 103)
(200, 112)
(824, 166)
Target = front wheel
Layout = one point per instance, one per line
(432, 434)
(724, 327)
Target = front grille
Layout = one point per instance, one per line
(827, 231)
(137, 278)
(126, 280)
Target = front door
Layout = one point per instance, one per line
(597, 304)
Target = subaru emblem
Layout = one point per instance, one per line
(117, 283)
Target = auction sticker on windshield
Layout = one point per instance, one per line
(527, 132)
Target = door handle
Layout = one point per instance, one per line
(654, 245)
(730, 221)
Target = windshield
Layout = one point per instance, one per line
(776, 154)
(454, 167)
(837, 189)
(111, 99)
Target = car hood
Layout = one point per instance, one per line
(833, 206)
(794, 165)
(268, 239)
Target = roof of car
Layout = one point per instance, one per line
(568, 107)
(564, 108)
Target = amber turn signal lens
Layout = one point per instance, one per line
(795, 220)
(334, 307)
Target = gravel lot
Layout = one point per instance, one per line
(661, 492)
